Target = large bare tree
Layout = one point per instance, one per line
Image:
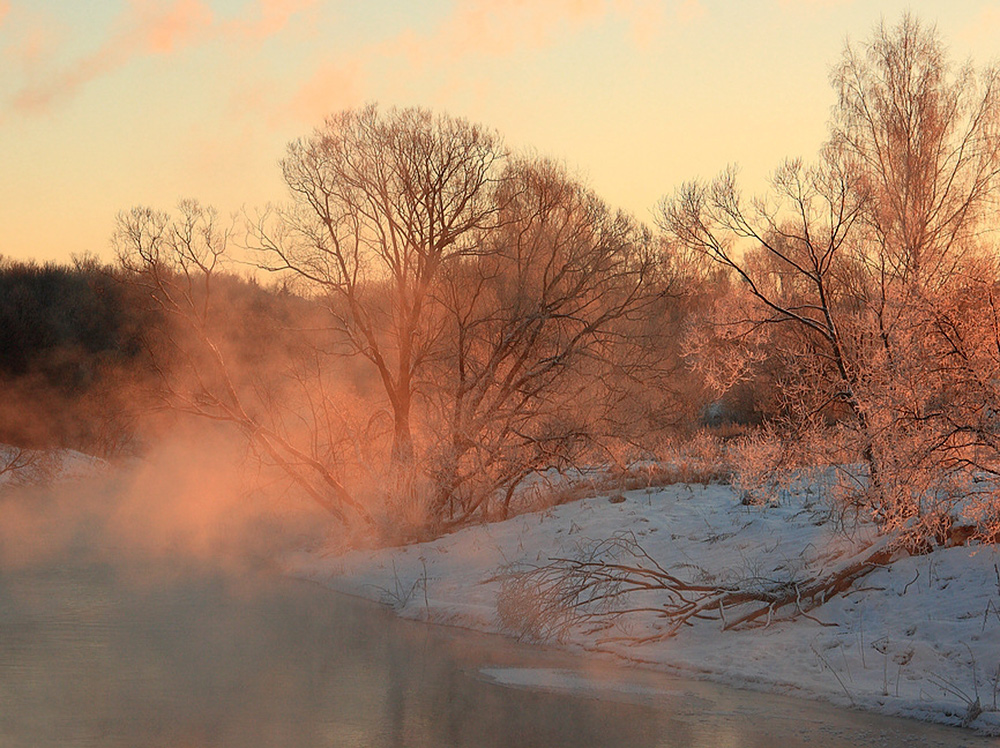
(492, 310)
(381, 202)
(542, 328)
(922, 139)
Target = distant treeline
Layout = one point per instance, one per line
(75, 363)
(70, 347)
(64, 323)
(76, 368)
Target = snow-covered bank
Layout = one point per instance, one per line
(25, 467)
(920, 638)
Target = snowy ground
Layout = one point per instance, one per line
(24, 467)
(920, 638)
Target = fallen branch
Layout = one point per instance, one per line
(615, 577)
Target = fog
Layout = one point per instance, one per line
(143, 604)
(195, 496)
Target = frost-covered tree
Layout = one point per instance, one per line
(871, 273)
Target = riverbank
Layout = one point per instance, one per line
(919, 638)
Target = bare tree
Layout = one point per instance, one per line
(870, 271)
(502, 307)
(21, 465)
(607, 581)
(790, 252)
(540, 330)
(178, 263)
(381, 202)
(923, 141)
(490, 295)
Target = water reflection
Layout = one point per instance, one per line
(196, 660)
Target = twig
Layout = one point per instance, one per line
(835, 674)
(907, 585)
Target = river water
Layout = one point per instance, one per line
(105, 648)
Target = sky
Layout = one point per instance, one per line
(109, 104)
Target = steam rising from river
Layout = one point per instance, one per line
(196, 496)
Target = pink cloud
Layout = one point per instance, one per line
(475, 28)
(689, 11)
(150, 28)
(32, 47)
(648, 19)
(331, 88)
(497, 28)
(163, 30)
(488, 29)
(266, 18)
(500, 28)
(814, 3)
(144, 28)
(35, 38)
(4, 9)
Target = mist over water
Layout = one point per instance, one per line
(144, 607)
(194, 497)
(141, 607)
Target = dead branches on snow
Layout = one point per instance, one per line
(608, 581)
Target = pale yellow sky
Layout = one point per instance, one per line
(105, 104)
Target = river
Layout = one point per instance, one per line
(101, 647)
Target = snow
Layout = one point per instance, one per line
(568, 680)
(918, 638)
(22, 467)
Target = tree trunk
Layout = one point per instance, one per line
(402, 438)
